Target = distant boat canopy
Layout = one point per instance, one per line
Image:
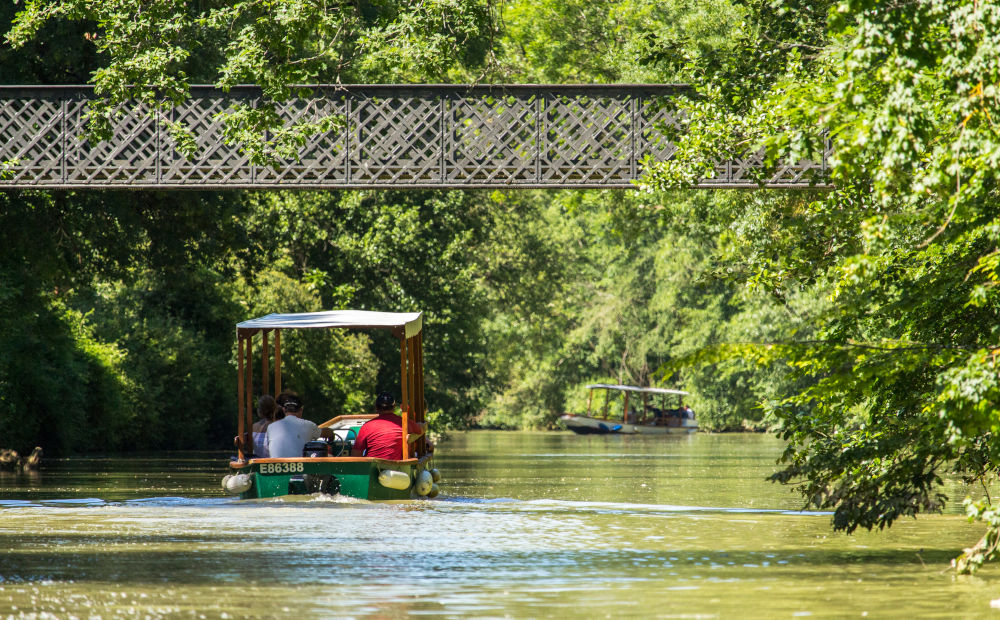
(632, 388)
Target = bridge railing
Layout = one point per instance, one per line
(426, 136)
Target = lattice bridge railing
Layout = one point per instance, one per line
(442, 136)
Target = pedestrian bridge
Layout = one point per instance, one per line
(386, 136)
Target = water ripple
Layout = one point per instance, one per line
(625, 507)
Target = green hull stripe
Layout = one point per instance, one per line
(357, 479)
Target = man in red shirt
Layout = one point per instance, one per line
(382, 436)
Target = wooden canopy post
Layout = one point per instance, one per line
(240, 403)
(277, 362)
(645, 406)
(403, 392)
(590, 399)
(411, 364)
(414, 414)
(422, 403)
(607, 397)
(418, 375)
(249, 386)
(404, 379)
(625, 410)
(265, 379)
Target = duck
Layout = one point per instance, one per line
(9, 459)
(34, 459)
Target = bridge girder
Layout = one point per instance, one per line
(387, 136)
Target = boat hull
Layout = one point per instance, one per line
(356, 477)
(584, 425)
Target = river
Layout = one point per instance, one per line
(547, 525)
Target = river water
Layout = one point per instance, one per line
(527, 526)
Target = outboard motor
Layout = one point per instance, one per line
(316, 448)
(319, 483)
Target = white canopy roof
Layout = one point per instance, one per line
(632, 388)
(408, 323)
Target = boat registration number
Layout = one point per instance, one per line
(281, 468)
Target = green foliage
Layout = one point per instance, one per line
(895, 383)
(973, 558)
(154, 54)
(175, 331)
(575, 41)
(61, 388)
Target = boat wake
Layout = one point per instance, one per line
(555, 505)
(96, 502)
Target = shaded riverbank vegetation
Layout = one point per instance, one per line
(860, 321)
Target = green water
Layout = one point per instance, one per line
(527, 526)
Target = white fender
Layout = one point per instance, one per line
(434, 491)
(394, 479)
(238, 484)
(436, 475)
(424, 483)
(225, 481)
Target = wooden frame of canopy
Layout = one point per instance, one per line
(406, 327)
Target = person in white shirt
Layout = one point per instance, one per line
(288, 436)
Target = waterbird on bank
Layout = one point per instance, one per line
(9, 459)
(34, 459)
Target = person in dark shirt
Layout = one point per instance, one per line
(382, 436)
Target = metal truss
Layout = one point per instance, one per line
(386, 136)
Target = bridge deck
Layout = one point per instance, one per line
(440, 136)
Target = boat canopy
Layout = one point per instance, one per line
(407, 326)
(404, 323)
(633, 388)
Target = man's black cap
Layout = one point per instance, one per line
(384, 401)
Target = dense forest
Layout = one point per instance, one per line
(859, 323)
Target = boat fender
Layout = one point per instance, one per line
(434, 491)
(238, 484)
(436, 475)
(424, 483)
(225, 480)
(394, 479)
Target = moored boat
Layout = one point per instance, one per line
(326, 466)
(652, 416)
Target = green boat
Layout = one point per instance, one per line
(326, 466)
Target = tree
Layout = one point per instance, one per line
(106, 301)
(152, 55)
(899, 380)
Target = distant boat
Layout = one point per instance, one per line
(642, 417)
